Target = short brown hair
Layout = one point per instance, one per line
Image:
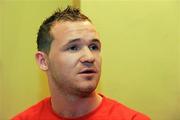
(44, 38)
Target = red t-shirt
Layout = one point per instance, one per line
(107, 110)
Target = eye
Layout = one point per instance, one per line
(74, 48)
(94, 47)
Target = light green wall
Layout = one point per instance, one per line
(21, 82)
(0, 58)
(140, 53)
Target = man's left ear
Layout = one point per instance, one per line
(41, 59)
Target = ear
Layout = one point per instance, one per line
(41, 59)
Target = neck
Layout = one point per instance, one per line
(70, 106)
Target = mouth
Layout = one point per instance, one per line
(88, 71)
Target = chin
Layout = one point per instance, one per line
(86, 87)
(86, 91)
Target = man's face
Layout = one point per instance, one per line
(74, 61)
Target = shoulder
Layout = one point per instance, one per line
(32, 111)
(117, 109)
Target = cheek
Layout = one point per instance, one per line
(70, 61)
(99, 59)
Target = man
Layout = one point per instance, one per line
(69, 52)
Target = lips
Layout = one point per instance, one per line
(88, 71)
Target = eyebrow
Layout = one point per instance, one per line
(96, 40)
(73, 41)
(78, 40)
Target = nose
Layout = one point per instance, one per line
(87, 57)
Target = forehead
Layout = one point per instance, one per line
(73, 29)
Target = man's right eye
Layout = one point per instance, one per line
(73, 48)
